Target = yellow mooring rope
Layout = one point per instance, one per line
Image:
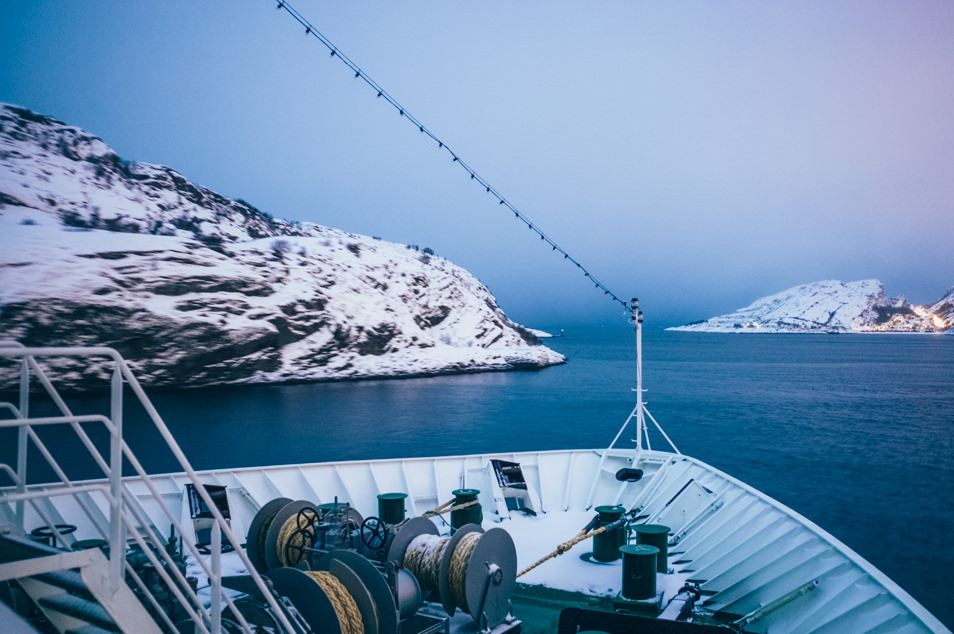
(349, 617)
(423, 560)
(565, 546)
(291, 535)
(458, 568)
(447, 508)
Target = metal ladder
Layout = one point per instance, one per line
(95, 590)
(70, 588)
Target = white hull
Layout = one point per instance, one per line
(746, 550)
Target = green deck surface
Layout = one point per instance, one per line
(539, 607)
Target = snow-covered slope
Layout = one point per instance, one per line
(832, 306)
(942, 311)
(197, 289)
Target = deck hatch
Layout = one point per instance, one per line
(512, 485)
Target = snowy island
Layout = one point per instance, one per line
(197, 289)
(833, 307)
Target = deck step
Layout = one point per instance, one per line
(81, 609)
(88, 629)
(69, 580)
(14, 548)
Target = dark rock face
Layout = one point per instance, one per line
(432, 318)
(160, 350)
(195, 289)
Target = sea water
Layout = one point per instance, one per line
(854, 432)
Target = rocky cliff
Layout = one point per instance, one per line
(198, 289)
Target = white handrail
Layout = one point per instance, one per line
(120, 503)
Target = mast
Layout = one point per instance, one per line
(636, 317)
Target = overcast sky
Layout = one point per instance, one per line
(697, 155)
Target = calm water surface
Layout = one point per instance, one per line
(855, 432)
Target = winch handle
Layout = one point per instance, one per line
(374, 533)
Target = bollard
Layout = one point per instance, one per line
(391, 507)
(639, 571)
(655, 535)
(606, 545)
(470, 515)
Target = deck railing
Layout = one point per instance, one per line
(126, 516)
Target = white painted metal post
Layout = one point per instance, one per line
(117, 546)
(22, 441)
(637, 318)
(215, 579)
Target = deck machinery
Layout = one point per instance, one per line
(334, 566)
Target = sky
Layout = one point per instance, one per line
(697, 155)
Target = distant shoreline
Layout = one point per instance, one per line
(767, 331)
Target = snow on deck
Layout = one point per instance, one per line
(750, 555)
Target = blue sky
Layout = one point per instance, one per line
(698, 155)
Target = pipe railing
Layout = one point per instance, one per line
(125, 510)
(114, 473)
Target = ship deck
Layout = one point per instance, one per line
(758, 564)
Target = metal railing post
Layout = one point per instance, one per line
(22, 442)
(117, 547)
(215, 579)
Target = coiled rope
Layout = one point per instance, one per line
(294, 536)
(349, 617)
(458, 568)
(423, 559)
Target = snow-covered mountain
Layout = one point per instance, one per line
(199, 289)
(833, 306)
(941, 311)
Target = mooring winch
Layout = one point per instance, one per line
(368, 575)
(473, 570)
